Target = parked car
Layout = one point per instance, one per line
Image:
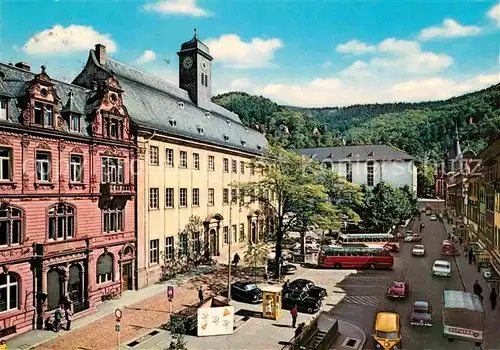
(421, 314)
(441, 268)
(286, 267)
(309, 287)
(413, 238)
(433, 217)
(393, 246)
(246, 291)
(418, 250)
(304, 302)
(398, 289)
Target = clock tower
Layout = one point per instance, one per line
(195, 71)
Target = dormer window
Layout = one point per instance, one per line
(349, 155)
(74, 122)
(181, 104)
(113, 127)
(243, 142)
(370, 154)
(226, 137)
(200, 130)
(3, 110)
(228, 122)
(259, 147)
(44, 114)
(208, 115)
(172, 122)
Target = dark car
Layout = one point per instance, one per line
(286, 267)
(304, 302)
(421, 314)
(309, 287)
(246, 291)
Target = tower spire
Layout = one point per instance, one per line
(195, 34)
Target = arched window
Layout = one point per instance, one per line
(61, 222)
(11, 225)
(105, 268)
(54, 289)
(9, 292)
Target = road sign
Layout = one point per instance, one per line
(170, 292)
(118, 314)
(117, 327)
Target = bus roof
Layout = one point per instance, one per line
(456, 299)
(387, 322)
(366, 235)
(350, 248)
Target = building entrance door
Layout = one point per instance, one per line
(254, 233)
(127, 276)
(213, 242)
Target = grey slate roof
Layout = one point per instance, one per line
(17, 81)
(354, 153)
(154, 103)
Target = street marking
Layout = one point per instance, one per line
(361, 300)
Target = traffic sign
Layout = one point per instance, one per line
(117, 327)
(118, 314)
(170, 292)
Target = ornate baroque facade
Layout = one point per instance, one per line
(67, 214)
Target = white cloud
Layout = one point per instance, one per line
(147, 56)
(327, 64)
(238, 84)
(234, 52)
(74, 38)
(494, 14)
(355, 47)
(326, 83)
(177, 7)
(358, 69)
(399, 47)
(449, 29)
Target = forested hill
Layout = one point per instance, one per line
(420, 129)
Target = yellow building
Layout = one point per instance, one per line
(190, 151)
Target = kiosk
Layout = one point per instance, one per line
(271, 302)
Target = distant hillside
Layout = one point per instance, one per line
(418, 128)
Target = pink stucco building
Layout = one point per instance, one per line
(67, 226)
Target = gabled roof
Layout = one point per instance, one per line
(153, 103)
(354, 153)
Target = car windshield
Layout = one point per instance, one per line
(398, 284)
(418, 247)
(251, 287)
(420, 311)
(387, 335)
(442, 266)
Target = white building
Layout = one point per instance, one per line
(367, 165)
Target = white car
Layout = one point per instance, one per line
(418, 250)
(441, 268)
(433, 217)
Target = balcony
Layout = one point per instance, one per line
(108, 189)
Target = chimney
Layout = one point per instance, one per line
(23, 65)
(100, 53)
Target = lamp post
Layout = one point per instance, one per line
(230, 239)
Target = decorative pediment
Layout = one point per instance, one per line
(43, 145)
(113, 83)
(43, 76)
(5, 141)
(77, 150)
(113, 151)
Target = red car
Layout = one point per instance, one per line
(413, 238)
(393, 246)
(398, 289)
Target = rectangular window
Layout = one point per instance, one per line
(5, 164)
(225, 230)
(234, 166)
(226, 165)
(252, 169)
(76, 168)
(183, 197)
(196, 161)
(211, 163)
(49, 115)
(74, 122)
(169, 197)
(211, 196)
(153, 198)
(183, 242)
(234, 196)
(369, 174)
(169, 157)
(43, 166)
(225, 196)
(348, 172)
(3, 110)
(169, 248)
(154, 251)
(113, 220)
(242, 232)
(154, 155)
(113, 127)
(183, 160)
(235, 233)
(242, 167)
(38, 113)
(196, 197)
(112, 170)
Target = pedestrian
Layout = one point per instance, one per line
(236, 260)
(474, 257)
(470, 256)
(493, 298)
(57, 319)
(294, 312)
(461, 241)
(300, 329)
(285, 286)
(477, 289)
(69, 316)
(3, 345)
(200, 295)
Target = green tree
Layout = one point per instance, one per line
(292, 179)
(177, 331)
(426, 182)
(256, 256)
(381, 211)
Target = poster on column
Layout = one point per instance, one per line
(215, 321)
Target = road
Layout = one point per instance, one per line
(366, 292)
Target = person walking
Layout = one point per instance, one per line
(294, 312)
(470, 256)
(478, 290)
(461, 241)
(493, 298)
(200, 295)
(3, 345)
(236, 260)
(474, 257)
(57, 319)
(299, 329)
(69, 317)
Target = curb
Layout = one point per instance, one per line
(455, 259)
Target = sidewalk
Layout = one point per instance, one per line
(468, 274)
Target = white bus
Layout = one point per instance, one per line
(365, 238)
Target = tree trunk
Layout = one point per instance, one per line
(303, 243)
(277, 258)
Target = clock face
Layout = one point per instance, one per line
(204, 65)
(188, 62)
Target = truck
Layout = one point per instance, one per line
(463, 316)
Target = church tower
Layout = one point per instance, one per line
(195, 71)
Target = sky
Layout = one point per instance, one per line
(300, 53)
